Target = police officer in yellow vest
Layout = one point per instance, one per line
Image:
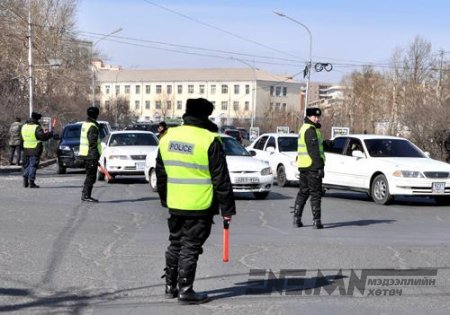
(193, 182)
(32, 136)
(90, 151)
(311, 163)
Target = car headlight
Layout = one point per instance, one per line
(266, 171)
(408, 174)
(64, 148)
(118, 157)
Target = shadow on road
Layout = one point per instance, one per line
(356, 223)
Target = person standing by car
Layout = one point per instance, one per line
(90, 151)
(311, 163)
(32, 136)
(193, 182)
(162, 128)
(15, 142)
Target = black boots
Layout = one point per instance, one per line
(32, 184)
(298, 210)
(171, 276)
(317, 225)
(88, 199)
(186, 293)
(25, 182)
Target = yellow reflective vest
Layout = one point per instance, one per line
(84, 141)
(28, 133)
(304, 160)
(184, 151)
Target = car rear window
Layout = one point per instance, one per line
(132, 139)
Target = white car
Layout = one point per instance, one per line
(280, 150)
(384, 167)
(247, 174)
(124, 153)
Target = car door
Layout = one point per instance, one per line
(270, 153)
(354, 169)
(259, 146)
(334, 174)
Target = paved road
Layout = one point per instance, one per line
(61, 256)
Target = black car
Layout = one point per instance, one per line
(69, 146)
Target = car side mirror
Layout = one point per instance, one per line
(252, 153)
(270, 149)
(358, 154)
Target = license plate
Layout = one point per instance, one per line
(140, 166)
(438, 188)
(246, 180)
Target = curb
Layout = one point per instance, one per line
(15, 168)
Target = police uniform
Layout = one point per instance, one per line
(90, 151)
(32, 136)
(193, 182)
(310, 162)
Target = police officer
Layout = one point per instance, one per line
(90, 151)
(193, 182)
(32, 136)
(311, 162)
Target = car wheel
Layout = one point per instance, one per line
(379, 191)
(61, 169)
(152, 180)
(100, 175)
(442, 200)
(261, 195)
(281, 176)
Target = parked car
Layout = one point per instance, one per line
(247, 174)
(385, 167)
(236, 134)
(280, 150)
(69, 145)
(124, 153)
(244, 133)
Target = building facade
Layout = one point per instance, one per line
(244, 95)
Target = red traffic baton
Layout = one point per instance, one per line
(104, 171)
(53, 123)
(226, 239)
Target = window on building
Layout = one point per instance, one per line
(179, 104)
(147, 104)
(236, 105)
(179, 89)
(169, 89)
(107, 105)
(138, 89)
(158, 89)
(247, 89)
(272, 107)
(117, 89)
(247, 105)
(278, 91)
(271, 90)
(169, 104)
(202, 89)
(277, 106)
(224, 105)
(224, 89)
(158, 104)
(284, 91)
(147, 89)
(127, 89)
(190, 89)
(213, 89)
(236, 89)
(283, 106)
(107, 89)
(136, 104)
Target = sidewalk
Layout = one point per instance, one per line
(16, 168)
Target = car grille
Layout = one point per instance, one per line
(244, 172)
(436, 174)
(239, 187)
(138, 157)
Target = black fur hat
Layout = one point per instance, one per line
(199, 107)
(36, 116)
(93, 112)
(313, 111)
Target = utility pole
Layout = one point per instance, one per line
(30, 60)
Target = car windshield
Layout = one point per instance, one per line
(132, 139)
(72, 132)
(287, 144)
(392, 148)
(232, 147)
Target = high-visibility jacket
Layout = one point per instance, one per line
(29, 136)
(184, 151)
(84, 141)
(304, 160)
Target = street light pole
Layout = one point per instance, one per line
(93, 71)
(30, 61)
(309, 65)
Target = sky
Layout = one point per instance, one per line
(247, 33)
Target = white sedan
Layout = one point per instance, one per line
(247, 174)
(384, 167)
(124, 153)
(280, 150)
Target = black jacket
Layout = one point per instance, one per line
(223, 191)
(40, 135)
(92, 135)
(312, 146)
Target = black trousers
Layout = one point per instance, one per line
(91, 177)
(310, 185)
(187, 236)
